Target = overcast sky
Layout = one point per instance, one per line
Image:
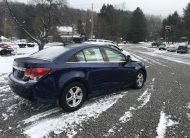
(157, 7)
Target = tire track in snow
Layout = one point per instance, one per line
(173, 58)
(141, 58)
(143, 99)
(67, 123)
(149, 59)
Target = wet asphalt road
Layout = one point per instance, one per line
(165, 96)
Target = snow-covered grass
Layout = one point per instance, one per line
(68, 122)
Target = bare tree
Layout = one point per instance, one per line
(45, 20)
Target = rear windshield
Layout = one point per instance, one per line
(182, 47)
(50, 53)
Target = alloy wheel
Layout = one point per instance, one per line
(74, 96)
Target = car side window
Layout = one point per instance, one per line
(80, 57)
(93, 54)
(114, 55)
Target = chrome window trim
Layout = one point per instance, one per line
(19, 68)
(99, 62)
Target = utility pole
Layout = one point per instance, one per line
(5, 23)
(92, 22)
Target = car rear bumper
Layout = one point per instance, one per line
(182, 51)
(21, 88)
(30, 91)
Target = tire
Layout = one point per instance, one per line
(66, 100)
(139, 80)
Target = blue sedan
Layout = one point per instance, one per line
(69, 75)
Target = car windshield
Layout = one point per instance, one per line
(50, 53)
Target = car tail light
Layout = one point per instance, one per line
(36, 73)
(5, 46)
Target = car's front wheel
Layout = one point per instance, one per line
(140, 79)
(73, 97)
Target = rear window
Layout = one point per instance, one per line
(50, 53)
(182, 47)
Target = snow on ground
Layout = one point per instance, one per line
(68, 122)
(163, 124)
(34, 118)
(172, 56)
(6, 62)
(143, 99)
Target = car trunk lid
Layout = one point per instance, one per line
(20, 65)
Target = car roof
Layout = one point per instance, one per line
(85, 45)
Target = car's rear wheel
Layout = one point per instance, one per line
(73, 97)
(140, 79)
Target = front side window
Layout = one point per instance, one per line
(80, 57)
(114, 55)
(93, 54)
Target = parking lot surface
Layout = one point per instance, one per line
(160, 109)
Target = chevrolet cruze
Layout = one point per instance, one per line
(69, 75)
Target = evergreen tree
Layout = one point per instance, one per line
(138, 27)
(186, 20)
(175, 22)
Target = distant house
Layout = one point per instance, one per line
(68, 34)
(4, 39)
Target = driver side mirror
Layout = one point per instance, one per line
(128, 58)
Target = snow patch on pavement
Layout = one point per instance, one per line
(41, 115)
(163, 124)
(126, 117)
(68, 122)
(144, 99)
(188, 106)
(170, 56)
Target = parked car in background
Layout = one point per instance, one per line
(154, 44)
(183, 49)
(5, 49)
(101, 41)
(30, 44)
(74, 73)
(171, 48)
(162, 47)
(122, 44)
(157, 44)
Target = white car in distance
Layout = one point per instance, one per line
(171, 48)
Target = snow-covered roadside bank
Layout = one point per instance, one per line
(6, 62)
